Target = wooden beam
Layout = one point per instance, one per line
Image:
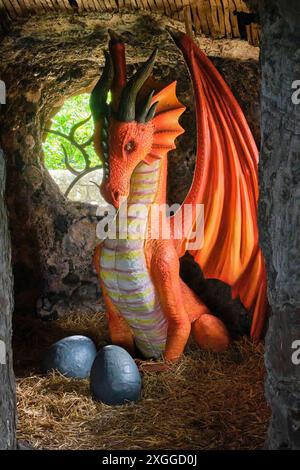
(196, 19)
(233, 19)
(7, 13)
(210, 23)
(66, 5)
(221, 18)
(10, 8)
(214, 17)
(16, 7)
(188, 21)
(202, 17)
(227, 22)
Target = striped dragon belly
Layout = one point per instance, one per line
(124, 273)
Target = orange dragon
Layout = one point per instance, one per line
(149, 306)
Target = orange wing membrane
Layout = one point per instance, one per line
(226, 182)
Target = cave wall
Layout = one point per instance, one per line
(7, 381)
(279, 170)
(46, 60)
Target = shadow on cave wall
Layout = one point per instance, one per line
(47, 60)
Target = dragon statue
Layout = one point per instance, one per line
(149, 306)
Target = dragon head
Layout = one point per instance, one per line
(133, 127)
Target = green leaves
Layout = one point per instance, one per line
(74, 110)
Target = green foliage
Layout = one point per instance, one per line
(73, 111)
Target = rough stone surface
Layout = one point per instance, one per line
(279, 215)
(7, 381)
(85, 190)
(45, 60)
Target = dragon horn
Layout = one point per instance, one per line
(142, 113)
(117, 52)
(127, 103)
(151, 112)
(102, 87)
(114, 37)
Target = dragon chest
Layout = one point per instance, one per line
(124, 273)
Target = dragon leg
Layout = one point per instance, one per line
(165, 276)
(208, 331)
(181, 307)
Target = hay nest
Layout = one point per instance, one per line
(206, 401)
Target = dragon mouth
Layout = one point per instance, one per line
(112, 196)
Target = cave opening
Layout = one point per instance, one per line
(56, 58)
(54, 276)
(69, 154)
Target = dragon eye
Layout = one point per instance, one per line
(130, 146)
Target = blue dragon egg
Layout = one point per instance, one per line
(115, 378)
(72, 356)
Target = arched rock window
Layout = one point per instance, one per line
(69, 152)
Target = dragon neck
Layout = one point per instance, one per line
(148, 184)
(147, 187)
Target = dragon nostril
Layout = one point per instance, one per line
(116, 195)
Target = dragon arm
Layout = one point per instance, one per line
(164, 267)
(226, 182)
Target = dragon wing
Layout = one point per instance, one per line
(226, 182)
